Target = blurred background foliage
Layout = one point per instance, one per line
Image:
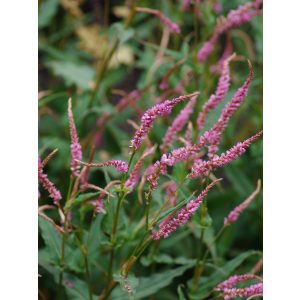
(75, 40)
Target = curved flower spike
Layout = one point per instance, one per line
(235, 213)
(170, 224)
(135, 173)
(76, 152)
(177, 125)
(173, 27)
(239, 16)
(120, 165)
(218, 96)
(202, 168)
(54, 193)
(147, 120)
(213, 136)
(232, 281)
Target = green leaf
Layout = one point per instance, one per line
(47, 11)
(51, 237)
(54, 271)
(150, 285)
(208, 283)
(77, 289)
(166, 259)
(82, 198)
(79, 74)
(239, 180)
(128, 284)
(180, 293)
(119, 31)
(94, 238)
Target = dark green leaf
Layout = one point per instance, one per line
(47, 11)
(51, 237)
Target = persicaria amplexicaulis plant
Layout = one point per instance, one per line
(139, 190)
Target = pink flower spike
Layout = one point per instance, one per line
(147, 120)
(185, 4)
(213, 136)
(221, 91)
(217, 68)
(76, 152)
(121, 166)
(132, 97)
(173, 27)
(202, 168)
(170, 225)
(239, 16)
(98, 204)
(252, 290)
(177, 125)
(235, 213)
(170, 159)
(171, 189)
(135, 173)
(217, 6)
(205, 50)
(234, 280)
(54, 193)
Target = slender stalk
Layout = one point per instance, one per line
(109, 55)
(200, 264)
(148, 197)
(63, 242)
(62, 259)
(102, 70)
(83, 252)
(87, 271)
(121, 197)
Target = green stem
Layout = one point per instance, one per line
(102, 70)
(63, 242)
(200, 264)
(86, 264)
(108, 57)
(121, 197)
(147, 203)
(62, 259)
(83, 252)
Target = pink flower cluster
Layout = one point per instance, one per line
(213, 136)
(217, 68)
(135, 173)
(234, 280)
(177, 125)
(202, 168)
(230, 291)
(182, 217)
(171, 189)
(76, 152)
(252, 290)
(173, 27)
(241, 15)
(221, 91)
(54, 193)
(235, 213)
(170, 159)
(98, 204)
(120, 165)
(133, 96)
(147, 120)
